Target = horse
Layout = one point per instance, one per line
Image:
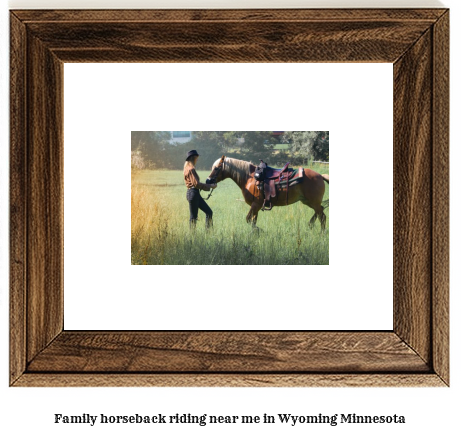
(309, 192)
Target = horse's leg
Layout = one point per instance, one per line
(323, 220)
(252, 216)
(318, 209)
(312, 220)
(313, 189)
(320, 214)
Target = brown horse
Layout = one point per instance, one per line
(310, 192)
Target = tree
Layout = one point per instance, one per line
(154, 150)
(151, 146)
(210, 146)
(309, 144)
(321, 147)
(257, 141)
(246, 145)
(139, 140)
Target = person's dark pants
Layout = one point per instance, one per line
(196, 202)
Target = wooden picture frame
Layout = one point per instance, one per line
(414, 353)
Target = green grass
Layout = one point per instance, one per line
(160, 233)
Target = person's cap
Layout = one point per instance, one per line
(192, 153)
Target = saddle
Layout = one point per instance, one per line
(274, 180)
(274, 173)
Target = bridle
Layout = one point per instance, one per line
(212, 180)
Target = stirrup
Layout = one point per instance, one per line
(265, 205)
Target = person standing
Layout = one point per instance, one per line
(193, 196)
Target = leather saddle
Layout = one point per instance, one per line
(274, 173)
(276, 180)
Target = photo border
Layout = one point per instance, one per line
(414, 353)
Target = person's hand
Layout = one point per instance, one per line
(214, 185)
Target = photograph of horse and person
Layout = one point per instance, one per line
(229, 198)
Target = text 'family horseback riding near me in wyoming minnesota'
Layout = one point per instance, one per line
(230, 198)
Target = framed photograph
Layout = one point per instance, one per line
(415, 352)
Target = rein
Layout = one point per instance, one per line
(209, 195)
(213, 180)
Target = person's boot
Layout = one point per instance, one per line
(209, 223)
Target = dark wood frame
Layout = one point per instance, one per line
(415, 352)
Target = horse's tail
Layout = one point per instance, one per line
(326, 203)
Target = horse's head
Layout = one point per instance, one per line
(216, 174)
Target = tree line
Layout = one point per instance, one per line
(155, 149)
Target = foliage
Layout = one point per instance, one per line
(211, 145)
(152, 146)
(312, 145)
(138, 161)
(156, 151)
(250, 146)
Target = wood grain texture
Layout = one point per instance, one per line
(236, 352)
(313, 41)
(414, 354)
(18, 211)
(44, 198)
(440, 204)
(413, 196)
(204, 15)
(230, 380)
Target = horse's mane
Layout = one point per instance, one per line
(240, 169)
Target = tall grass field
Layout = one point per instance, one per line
(160, 233)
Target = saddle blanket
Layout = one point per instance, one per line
(272, 186)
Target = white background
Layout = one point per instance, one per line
(427, 410)
(105, 102)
